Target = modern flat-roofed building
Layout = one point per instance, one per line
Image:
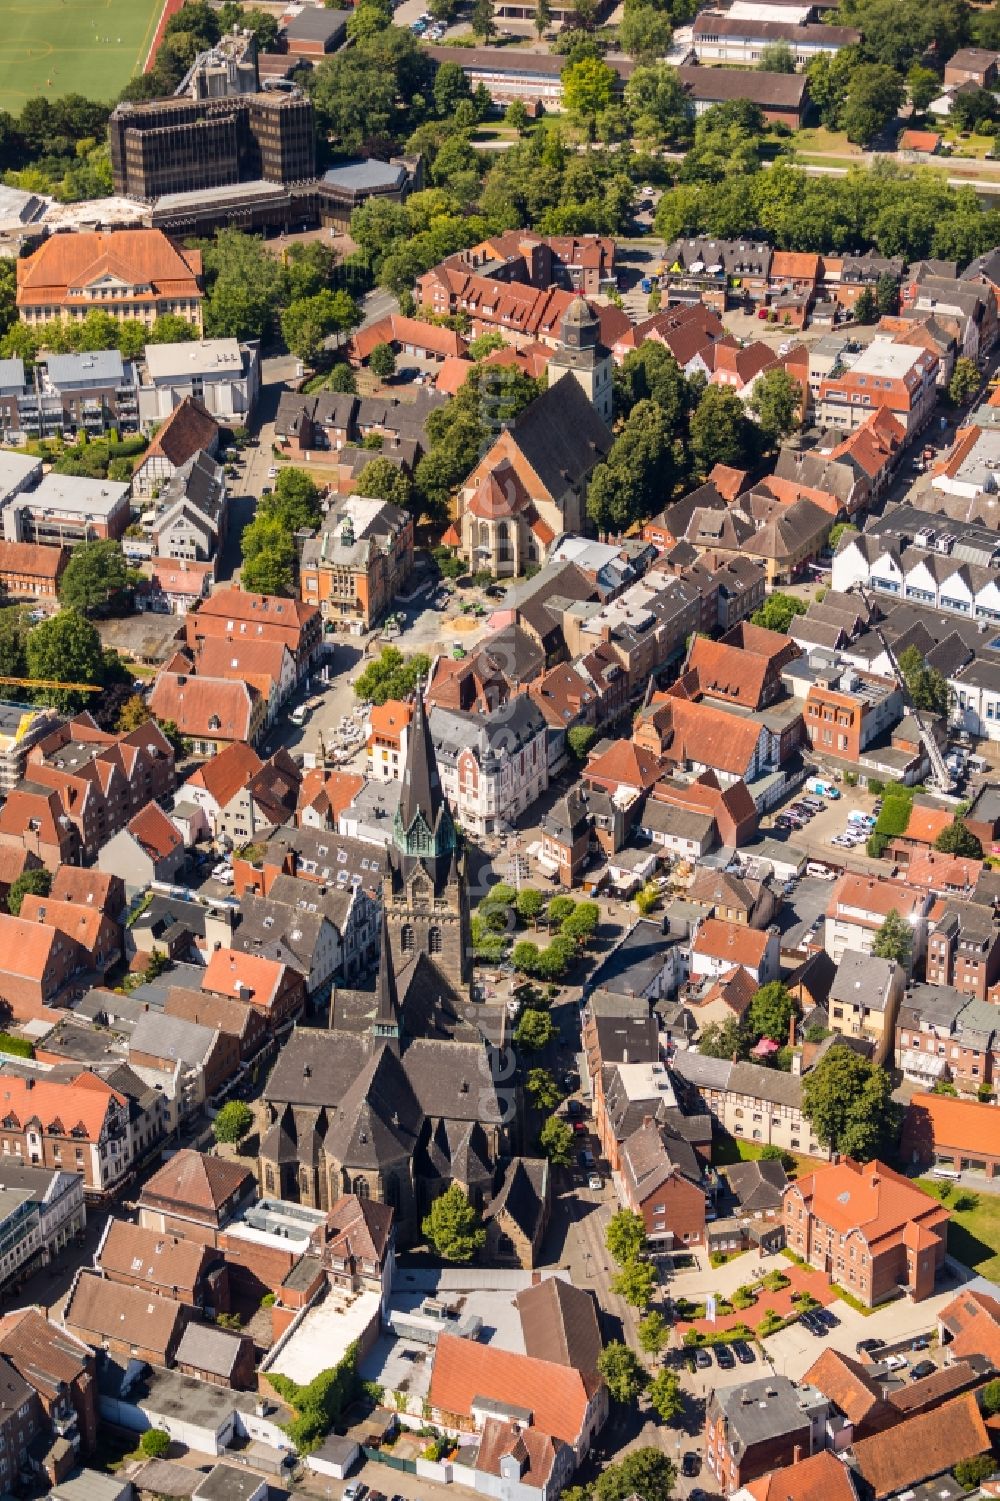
(901, 377)
(64, 509)
(223, 374)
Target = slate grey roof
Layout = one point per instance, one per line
(521, 1194)
(172, 1037)
(209, 1348)
(757, 1185)
(701, 1071)
(770, 1084)
(495, 737)
(562, 436)
(863, 980)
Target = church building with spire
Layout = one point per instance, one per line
(409, 1089)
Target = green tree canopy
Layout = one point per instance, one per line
(65, 648)
(728, 1039)
(39, 882)
(771, 1011)
(542, 1088)
(529, 903)
(645, 33)
(245, 282)
(721, 432)
(232, 1122)
(579, 740)
(534, 1031)
(588, 88)
(875, 95)
(653, 1332)
(635, 1282)
(625, 1379)
(848, 1101)
(625, 1236)
(154, 1443)
(643, 1472)
(307, 322)
(556, 1141)
(776, 57)
(776, 401)
(894, 939)
(665, 1395)
(384, 480)
(382, 361)
(927, 687)
(778, 611)
(453, 1227)
(391, 675)
(95, 575)
(965, 381)
(956, 839)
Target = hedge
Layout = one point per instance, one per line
(897, 805)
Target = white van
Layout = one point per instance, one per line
(821, 872)
(299, 715)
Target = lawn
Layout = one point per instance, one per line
(822, 142)
(974, 1233)
(729, 1149)
(53, 47)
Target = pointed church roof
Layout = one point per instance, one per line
(378, 1118)
(387, 998)
(421, 783)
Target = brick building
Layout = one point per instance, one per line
(956, 1135)
(843, 716)
(124, 1320)
(77, 1125)
(756, 1426)
(67, 277)
(195, 1196)
(662, 1181)
(963, 948)
(62, 1371)
(358, 562)
(868, 1228)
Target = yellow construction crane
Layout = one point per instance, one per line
(51, 683)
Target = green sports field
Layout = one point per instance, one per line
(55, 47)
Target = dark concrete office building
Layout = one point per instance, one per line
(184, 145)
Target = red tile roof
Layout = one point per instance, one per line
(226, 773)
(555, 1395)
(820, 1477)
(732, 941)
(80, 1104)
(870, 1198)
(230, 972)
(973, 1321)
(965, 1125)
(194, 1179)
(922, 1447)
(189, 429)
(64, 264)
(158, 837)
(626, 764)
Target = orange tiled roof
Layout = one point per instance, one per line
(927, 823)
(973, 1321)
(732, 941)
(849, 1387)
(81, 1104)
(627, 764)
(966, 1125)
(820, 1477)
(873, 894)
(728, 672)
(464, 1369)
(796, 263)
(78, 921)
(869, 1198)
(226, 773)
(230, 972)
(155, 832)
(728, 481)
(64, 264)
(922, 1446)
(919, 140)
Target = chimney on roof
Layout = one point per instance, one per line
(797, 1454)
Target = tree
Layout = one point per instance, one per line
(645, 33)
(971, 1472)
(384, 480)
(534, 1031)
(308, 322)
(382, 361)
(956, 839)
(543, 16)
(848, 1101)
(638, 471)
(232, 1122)
(720, 430)
(579, 741)
(483, 20)
(342, 378)
(927, 687)
(894, 939)
(659, 111)
(866, 307)
(529, 904)
(133, 713)
(171, 328)
(728, 1039)
(450, 86)
(875, 95)
(270, 570)
(771, 1011)
(94, 575)
(368, 20)
(829, 77)
(391, 675)
(154, 1443)
(990, 1398)
(924, 86)
(582, 924)
(453, 1227)
(644, 1472)
(38, 882)
(587, 89)
(965, 381)
(887, 294)
(636, 1283)
(665, 1396)
(245, 286)
(516, 116)
(778, 611)
(556, 1141)
(652, 1332)
(543, 1089)
(776, 57)
(65, 648)
(776, 401)
(625, 1236)
(623, 1375)
(842, 529)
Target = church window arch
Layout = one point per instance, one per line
(406, 938)
(434, 941)
(361, 1188)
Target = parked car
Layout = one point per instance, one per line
(869, 1346)
(830, 1320)
(702, 1357)
(922, 1368)
(691, 1464)
(594, 1182)
(743, 1352)
(355, 1491)
(725, 1358)
(896, 1363)
(813, 1324)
